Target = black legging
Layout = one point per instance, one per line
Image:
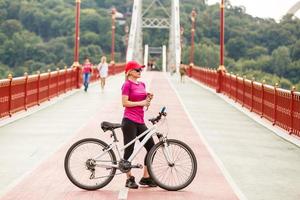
(130, 131)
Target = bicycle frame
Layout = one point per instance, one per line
(148, 134)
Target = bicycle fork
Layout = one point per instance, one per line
(167, 153)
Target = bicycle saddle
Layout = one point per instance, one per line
(107, 126)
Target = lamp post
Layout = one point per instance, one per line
(126, 36)
(77, 38)
(222, 67)
(193, 19)
(181, 36)
(113, 29)
(221, 70)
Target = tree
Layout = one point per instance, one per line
(90, 38)
(90, 21)
(11, 26)
(236, 47)
(256, 52)
(281, 60)
(295, 51)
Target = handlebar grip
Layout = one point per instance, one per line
(163, 110)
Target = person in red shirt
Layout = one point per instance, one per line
(87, 69)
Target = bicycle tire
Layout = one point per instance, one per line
(74, 178)
(153, 160)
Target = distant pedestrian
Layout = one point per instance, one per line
(182, 71)
(87, 69)
(103, 71)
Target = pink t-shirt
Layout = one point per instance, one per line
(135, 92)
(87, 68)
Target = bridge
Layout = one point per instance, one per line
(245, 134)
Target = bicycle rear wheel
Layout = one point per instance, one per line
(177, 175)
(85, 172)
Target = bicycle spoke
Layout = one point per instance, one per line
(83, 170)
(177, 174)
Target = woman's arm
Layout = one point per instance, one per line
(127, 103)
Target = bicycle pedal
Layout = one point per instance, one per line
(137, 166)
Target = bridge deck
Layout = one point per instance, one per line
(236, 156)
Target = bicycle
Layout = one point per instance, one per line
(91, 164)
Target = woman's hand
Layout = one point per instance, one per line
(145, 102)
(150, 96)
(148, 99)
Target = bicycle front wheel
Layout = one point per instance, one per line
(83, 170)
(176, 174)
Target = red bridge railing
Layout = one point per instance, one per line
(279, 106)
(21, 93)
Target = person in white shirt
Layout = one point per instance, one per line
(103, 71)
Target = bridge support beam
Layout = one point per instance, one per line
(135, 48)
(164, 58)
(146, 54)
(174, 56)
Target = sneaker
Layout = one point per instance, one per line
(130, 183)
(148, 181)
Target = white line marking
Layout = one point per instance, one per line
(264, 122)
(123, 194)
(219, 163)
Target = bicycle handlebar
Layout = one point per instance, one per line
(160, 114)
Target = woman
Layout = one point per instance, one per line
(134, 99)
(103, 71)
(87, 71)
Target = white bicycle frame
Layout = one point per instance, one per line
(147, 133)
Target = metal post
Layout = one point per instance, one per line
(292, 107)
(236, 87)
(262, 98)
(113, 28)
(77, 39)
(146, 54)
(222, 33)
(126, 36)
(181, 36)
(65, 83)
(243, 98)
(221, 68)
(164, 58)
(77, 32)
(252, 94)
(275, 104)
(57, 82)
(10, 77)
(48, 87)
(38, 88)
(193, 19)
(25, 90)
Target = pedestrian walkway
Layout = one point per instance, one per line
(262, 164)
(237, 158)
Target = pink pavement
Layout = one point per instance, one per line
(209, 183)
(48, 181)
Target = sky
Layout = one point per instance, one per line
(264, 8)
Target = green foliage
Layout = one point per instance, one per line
(256, 51)
(257, 47)
(280, 60)
(39, 35)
